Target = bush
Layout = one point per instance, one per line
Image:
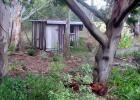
(56, 58)
(43, 55)
(24, 67)
(81, 75)
(126, 41)
(41, 88)
(34, 88)
(11, 49)
(31, 51)
(136, 55)
(81, 47)
(136, 59)
(125, 85)
(13, 89)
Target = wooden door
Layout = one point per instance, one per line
(52, 37)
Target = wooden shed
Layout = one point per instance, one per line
(48, 35)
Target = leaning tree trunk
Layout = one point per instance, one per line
(5, 27)
(104, 56)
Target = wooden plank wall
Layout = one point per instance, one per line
(61, 37)
(38, 35)
(74, 37)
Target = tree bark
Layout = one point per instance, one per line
(67, 38)
(17, 19)
(5, 28)
(16, 38)
(104, 56)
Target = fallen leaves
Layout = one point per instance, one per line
(75, 87)
(99, 89)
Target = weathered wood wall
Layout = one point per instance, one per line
(39, 36)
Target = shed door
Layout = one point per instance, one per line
(52, 37)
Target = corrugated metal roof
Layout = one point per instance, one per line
(58, 22)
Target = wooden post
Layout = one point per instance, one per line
(66, 47)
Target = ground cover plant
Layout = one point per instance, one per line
(73, 85)
(124, 85)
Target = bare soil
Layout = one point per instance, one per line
(36, 65)
(33, 64)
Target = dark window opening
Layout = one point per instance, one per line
(72, 29)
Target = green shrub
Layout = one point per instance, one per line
(125, 84)
(126, 41)
(136, 59)
(43, 55)
(11, 49)
(81, 47)
(55, 58)
(86, 68)
(24, 66)
(31, 51)
(81, 75)
(13, 89)
(13, 66)
(34, 88)
(58, 58)
(136, 55)
(56, 66)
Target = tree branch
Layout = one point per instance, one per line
(94, 11)
(126, 11)
(100, 37)
(138, 5)
(34, 11)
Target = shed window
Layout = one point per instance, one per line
(72, 29)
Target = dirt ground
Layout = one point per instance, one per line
(36, 65)
(33, 63)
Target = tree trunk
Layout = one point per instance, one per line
(110, 41)
(17, 19)
(66, 48)
(5, 28)
(104, 56)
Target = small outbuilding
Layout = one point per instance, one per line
(48, 35)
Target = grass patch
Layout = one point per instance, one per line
(125, 85)
(126, 41)
(81, 47)
(11, 49)
(31, 52)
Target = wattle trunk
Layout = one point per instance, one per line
(104, 57)
(66, 48)
(5, 28)
(16, 33)
(17, 19)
